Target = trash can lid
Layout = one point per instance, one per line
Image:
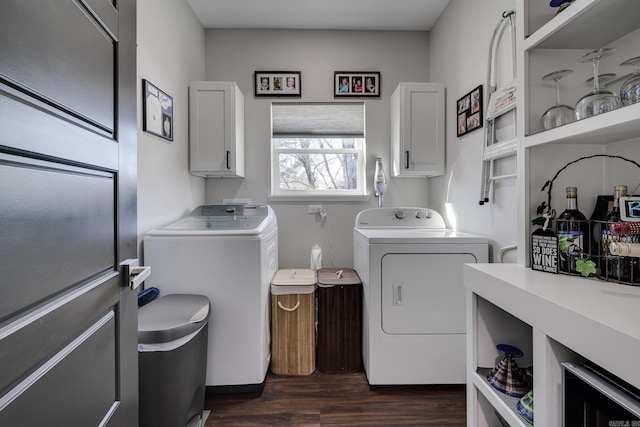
(293, 281)
(171, 317)
(328, 277)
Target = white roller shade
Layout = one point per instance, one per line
(304, 120)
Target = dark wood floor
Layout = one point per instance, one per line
(339, 400)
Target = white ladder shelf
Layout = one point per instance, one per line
(498, 103)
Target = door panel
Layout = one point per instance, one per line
(423, 293)
(88, 394)
(425, 120)
(68, 321)
(35, 337)
(47, 205)
(39, 128)
(70, 66)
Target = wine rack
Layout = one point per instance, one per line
(605, 265)
(595, 257)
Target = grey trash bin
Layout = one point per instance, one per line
(172, 354)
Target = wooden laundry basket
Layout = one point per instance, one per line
(339, 321)
(293, 322)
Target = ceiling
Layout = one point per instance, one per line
(400, 15)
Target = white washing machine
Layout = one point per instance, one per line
(413, 296)
(230, 254)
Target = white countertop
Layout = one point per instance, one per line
(598, 320)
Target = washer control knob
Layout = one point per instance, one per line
(399, 214)
(419, 214)
(428, 214)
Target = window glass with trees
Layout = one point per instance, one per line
(318, 149)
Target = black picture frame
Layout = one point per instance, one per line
(157, 111)
(277, 84)
(469, 112)
(356, 84)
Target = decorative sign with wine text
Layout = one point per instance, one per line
(544, 251)
(630, 208)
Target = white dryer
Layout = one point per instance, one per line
(228, 253)
(413, 296)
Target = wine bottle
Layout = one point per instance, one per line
(604, 205)
(573, 233)
(617, 267)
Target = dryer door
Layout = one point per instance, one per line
(423, 293)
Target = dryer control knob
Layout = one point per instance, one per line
(419, 214)
(428, 214)
(399, 214)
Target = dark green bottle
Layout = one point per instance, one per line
(573, 234)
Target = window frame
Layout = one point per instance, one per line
(357, 194)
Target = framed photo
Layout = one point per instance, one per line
(277, 83)
(157, 111)
(356, 83)
(630, 208)
(469, 111)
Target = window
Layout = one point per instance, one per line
(318, 150)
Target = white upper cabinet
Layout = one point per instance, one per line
(418, 130)
(216, 129)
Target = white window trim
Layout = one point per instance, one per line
(359, 194)
(319, 197)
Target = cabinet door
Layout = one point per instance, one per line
(216, 120)
(418, 130)
(423, 293)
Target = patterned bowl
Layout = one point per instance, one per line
(506, 376)
(525, 407)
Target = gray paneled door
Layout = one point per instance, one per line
(68, 333)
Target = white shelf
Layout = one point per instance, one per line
(559, 305)
(584, 25)
(572, 319)
(614, 126)
(504, 404)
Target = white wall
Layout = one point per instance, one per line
(170, 55)
(234, 55)
(458, 56)
(173, 50)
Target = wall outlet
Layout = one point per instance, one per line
(315, 209)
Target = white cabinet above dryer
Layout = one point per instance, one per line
(216, 130)
(418, 130)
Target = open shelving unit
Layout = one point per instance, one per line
(541, 312)
(548, 42)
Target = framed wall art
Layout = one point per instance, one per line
(356, 84)
(157, 111)
(277, 83)
(469, 111)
